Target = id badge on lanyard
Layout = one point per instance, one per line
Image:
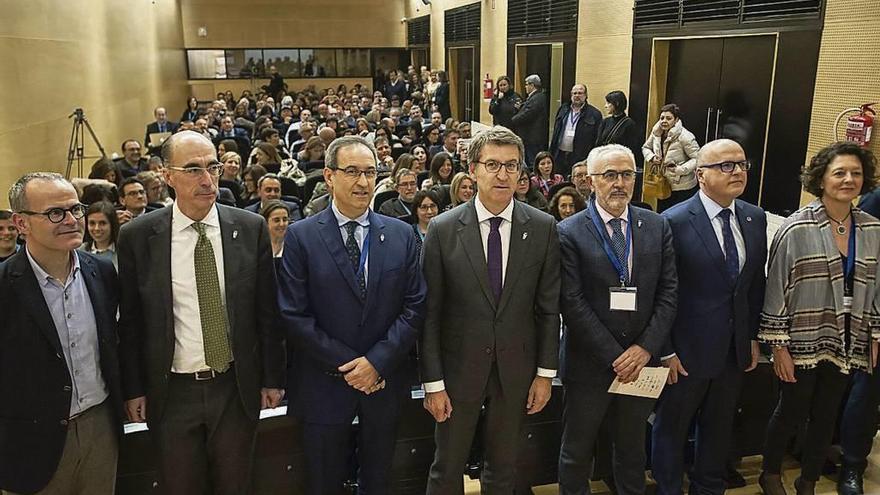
(849, 268)
(622, 298)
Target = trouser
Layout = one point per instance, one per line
(88, 462)
(859, 421)
(562, 163)
(585, 406)
(532, 150)
(713, 402)
(815, 397)
(204, 440)
(504, 416)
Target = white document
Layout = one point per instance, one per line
(649, 383)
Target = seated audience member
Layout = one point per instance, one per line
(319, 201)
(131, 161)
(427, 206)
(277, 215)
(272, 136)
(528, 193)
(133, 199)
(98, 191)
(101, 232)
(383, 151)
(449, 145)
(565, 203)
(251, 177)
(306, 131)
(387, 184)
(186, 125)
(544, 178)
(327, 134)
(203, 127)
(267, 156)
(580, 176)
(104, 168)
(441, 170)
(430, 136)
(8, 236)
(192, 109)
(421, 158)
(406, 186)
(413, 134)
(157, 190)
(155, 164)
(462, 189)
(231, 177)
(269, 188)
(161, 125)
(226, 145)
(311, 155)
(237, 134)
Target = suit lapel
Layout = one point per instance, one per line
(160, 263)
(640, 243)
(376, 261)
(703, 227)
(232, 256)
(26, 285)
(518, 247)
(471, 240)
(333, 240)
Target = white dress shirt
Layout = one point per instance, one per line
(360, 233)
(189, 346)
(483, 217)
(606, 219)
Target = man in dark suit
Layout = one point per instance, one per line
(269, 188)
(160, 125)
(574, 131)
(352, 300)
(721, 249)
(449, 145)
(492, 334)
(237, 134)
(61, 413)
(618, 302)
(199, 341)
(401, 206)
(531, 120)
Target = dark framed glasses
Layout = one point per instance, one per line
(57, 215)
(729, 167)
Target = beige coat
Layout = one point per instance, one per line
(680, 149)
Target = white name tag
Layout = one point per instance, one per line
(622, 298)
(569, 132)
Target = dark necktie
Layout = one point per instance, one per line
(494, 257)
(618, 243)
(731, 258)
(354, 256)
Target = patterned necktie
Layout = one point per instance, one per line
(731, 258)
(213, 315)
(618, 243)
(494, 257)
(354, 256)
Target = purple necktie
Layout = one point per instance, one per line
(494, 257)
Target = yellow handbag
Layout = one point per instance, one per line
(655, 183)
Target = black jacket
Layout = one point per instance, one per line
(503, 108)
(441, 99)
(585, 132)
(530, 123)
(35, 383)
(627, 134)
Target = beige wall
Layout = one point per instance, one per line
(294, 24)
(604, 47)
(117, 63)
(849, 70)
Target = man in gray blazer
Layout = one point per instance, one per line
(200, 347)
(492, 330)
(619, 287)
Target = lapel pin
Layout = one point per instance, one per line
(235, 234)
(381, 237)
(525, 235)
(748, 219)
(639, 224)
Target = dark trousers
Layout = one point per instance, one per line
(713, 402)
(859, 421)
(504, 416)
(815, 397)
(585, 406)
(676, 198)
(532, 150)
(562, 163)
(204, 441)
(329, 450)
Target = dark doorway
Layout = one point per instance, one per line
(461, 83)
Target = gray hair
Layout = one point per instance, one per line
(18, 199)
(601, 153)
(497, 135)
(534, 80)
(582, 163)
(168, 144)
(346, 142)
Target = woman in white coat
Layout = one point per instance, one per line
(674, 148)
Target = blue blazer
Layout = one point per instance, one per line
(713, 313)
(328, 324)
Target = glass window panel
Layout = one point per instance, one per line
(285, 60)
(318, 62)
(245, 63)
(206, 64)
(353, 62)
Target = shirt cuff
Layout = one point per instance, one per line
(664, 358)
(546, 373)
(433, 387)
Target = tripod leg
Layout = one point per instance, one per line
(71, 149)
(94, 137)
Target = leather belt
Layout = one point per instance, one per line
(204, 375)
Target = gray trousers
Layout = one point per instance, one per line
(88, 462)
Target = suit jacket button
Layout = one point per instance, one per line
(63, 422)
(730, 321)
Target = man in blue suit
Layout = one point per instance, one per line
(721, 249)
(352, 300)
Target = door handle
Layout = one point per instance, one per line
(708, 120)
(717, 120)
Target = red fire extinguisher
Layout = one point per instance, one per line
(488, 87)
(859, 127)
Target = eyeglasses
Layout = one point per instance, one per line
(493, 167)
(57, 215)
(729, 167)
(579, 176)
(355, 173)
(213, 170)
(404, 185)
(612, 175)
(429, 207)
